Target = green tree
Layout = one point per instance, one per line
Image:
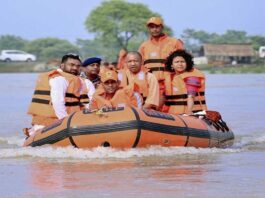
(194, 39)
(257, 41)
(50, 48)
(117, 23)
(229, 37)
(89, 48)
(12, 42)
(233, 37)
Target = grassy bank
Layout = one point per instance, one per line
(233, 69)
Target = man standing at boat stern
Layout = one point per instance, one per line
(56, 95)
(157, 48)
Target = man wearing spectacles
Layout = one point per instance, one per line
(57, 94)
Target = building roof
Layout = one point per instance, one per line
(228, 50)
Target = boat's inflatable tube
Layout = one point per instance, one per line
(130, 128)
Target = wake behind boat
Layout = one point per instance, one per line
(132, 127)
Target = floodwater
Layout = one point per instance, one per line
(238, 171)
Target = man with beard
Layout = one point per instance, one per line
(56, 95)
(144, 82)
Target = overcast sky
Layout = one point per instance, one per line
(65, 19)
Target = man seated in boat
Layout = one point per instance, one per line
(147, 84)
(111, 95)
(57, 94)
(90, 70)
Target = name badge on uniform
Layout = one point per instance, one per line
(175, 89)
(141, 75)
(153, 54)
(120, 76)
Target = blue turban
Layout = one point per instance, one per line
(91, 60)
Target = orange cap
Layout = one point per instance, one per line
(109, 75)
(155, 20)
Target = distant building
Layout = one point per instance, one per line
(200, 60)
(262, 52)
(227, 53)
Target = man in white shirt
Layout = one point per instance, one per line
(57, 94)
(70, 64)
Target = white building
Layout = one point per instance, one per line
(262, 52)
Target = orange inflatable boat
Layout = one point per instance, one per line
(130, 128)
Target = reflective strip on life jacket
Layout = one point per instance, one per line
(47, 93)
(152, 69)
(181, 103)
(183, 96)
(154, 61)
(84, 99)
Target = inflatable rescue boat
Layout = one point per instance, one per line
(132, 127)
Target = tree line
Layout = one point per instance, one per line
(119, 24)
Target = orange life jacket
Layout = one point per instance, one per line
(138, 80)
(84, 100)
(121, 59)
(155, 52)
(41, 107)
(176, 93)
(123, 97)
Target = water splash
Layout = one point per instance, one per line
(17, 151)
(13, 140)
(249, 141)
(105, 153)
